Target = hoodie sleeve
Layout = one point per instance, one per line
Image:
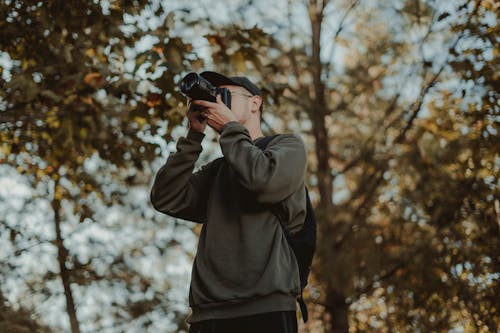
(272, 174)
(179, 192)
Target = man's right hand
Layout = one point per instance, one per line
(196, 120)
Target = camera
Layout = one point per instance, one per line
(195, 86)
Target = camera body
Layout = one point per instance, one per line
(195, 86)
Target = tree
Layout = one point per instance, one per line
(370, 140)
(68, 98)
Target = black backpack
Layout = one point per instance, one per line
(303, 242)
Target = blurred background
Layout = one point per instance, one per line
(397, 100)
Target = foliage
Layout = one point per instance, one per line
(410, 114)
(18, 321)
(71, 100)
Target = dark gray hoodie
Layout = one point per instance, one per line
(243, 263)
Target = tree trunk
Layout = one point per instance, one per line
(318, 110)
(62, 254)
(336, 306)
(338, 310)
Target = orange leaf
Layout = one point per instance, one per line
(153, 100)
(94, 79)
(87, 100)
(158, 50)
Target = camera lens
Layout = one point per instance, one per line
(188, 82)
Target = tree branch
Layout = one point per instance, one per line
(369, 287)
(337, 33)
(417, 105)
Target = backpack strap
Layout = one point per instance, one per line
(262, 144)
(303, 307)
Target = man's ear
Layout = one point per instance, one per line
(256, 103)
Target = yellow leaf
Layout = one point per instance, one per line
(6, 150)
(59, 195)
(70, 99)
(53, 122)
(140, 121)
(239, 62)
(90, 53)
(25, 63)
(46, 136)
(450, 135)
(487, 4)
(83, 133)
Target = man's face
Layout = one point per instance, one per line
(242, 102)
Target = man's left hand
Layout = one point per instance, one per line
(217, 114)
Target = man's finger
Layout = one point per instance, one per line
(204, 103)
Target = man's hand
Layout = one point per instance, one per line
(217, 114)
(196, 121)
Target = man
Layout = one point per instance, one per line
(245, 276)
